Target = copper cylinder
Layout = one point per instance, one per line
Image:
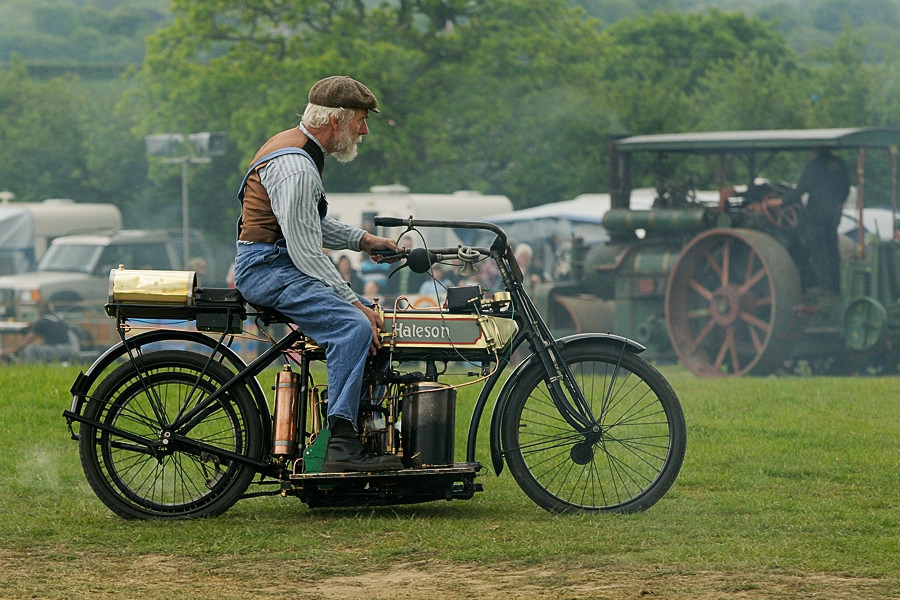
(287, 397)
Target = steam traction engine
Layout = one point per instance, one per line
(716, 283)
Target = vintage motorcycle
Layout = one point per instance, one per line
(172, 423)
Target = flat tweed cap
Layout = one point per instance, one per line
(340, 91)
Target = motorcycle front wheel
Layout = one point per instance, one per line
(142, 468)
(624, 462)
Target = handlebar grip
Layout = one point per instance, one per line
(390, 221)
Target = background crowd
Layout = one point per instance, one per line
(546, 262)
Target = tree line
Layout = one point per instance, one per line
(513, 97)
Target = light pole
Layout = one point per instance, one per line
(198, 148)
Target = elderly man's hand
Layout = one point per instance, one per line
(371, 244)
(377, 324)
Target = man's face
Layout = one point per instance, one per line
(347, 137)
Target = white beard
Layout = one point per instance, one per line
(345, 146)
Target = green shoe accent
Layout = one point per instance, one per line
(314, 455)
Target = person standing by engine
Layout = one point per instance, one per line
(827, 182)
(280, 261)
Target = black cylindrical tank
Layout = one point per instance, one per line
(428, 423)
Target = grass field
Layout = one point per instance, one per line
(790, 489)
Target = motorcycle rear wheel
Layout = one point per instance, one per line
(137, 477)
(624, 463)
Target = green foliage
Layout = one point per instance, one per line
(58, 140)
(664, 63)
(71, 32)
(840, 88)
(834, 15)
(752, 92)
(688, 44)
(884, 99)
(37, 125)
(508, 103)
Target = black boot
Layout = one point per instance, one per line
(345, 453)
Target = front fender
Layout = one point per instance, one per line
(86, 380)
(515, 377)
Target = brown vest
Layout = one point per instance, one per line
(258, 222)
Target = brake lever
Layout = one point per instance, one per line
(388, 255)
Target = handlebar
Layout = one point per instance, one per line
(411, 223)
(424, 259)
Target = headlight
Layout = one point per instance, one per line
(7, 298)
(29, 296)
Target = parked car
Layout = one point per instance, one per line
(73, 274)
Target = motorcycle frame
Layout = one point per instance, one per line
(532, 329)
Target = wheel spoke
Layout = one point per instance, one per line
(701, 290)
(707, 328)
(726, 349)
(726, 264)
(751, 281)
(755, 323)
(721, 266)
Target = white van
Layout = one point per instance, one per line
(396, 200)
(27, 228)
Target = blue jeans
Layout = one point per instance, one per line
(266, 276)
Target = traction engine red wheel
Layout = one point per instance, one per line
(730, 303)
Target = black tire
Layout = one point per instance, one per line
(626, 466)
(176, 481)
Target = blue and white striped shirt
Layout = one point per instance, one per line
(294, 188)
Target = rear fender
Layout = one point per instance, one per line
(573, 341)
(86, 380)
